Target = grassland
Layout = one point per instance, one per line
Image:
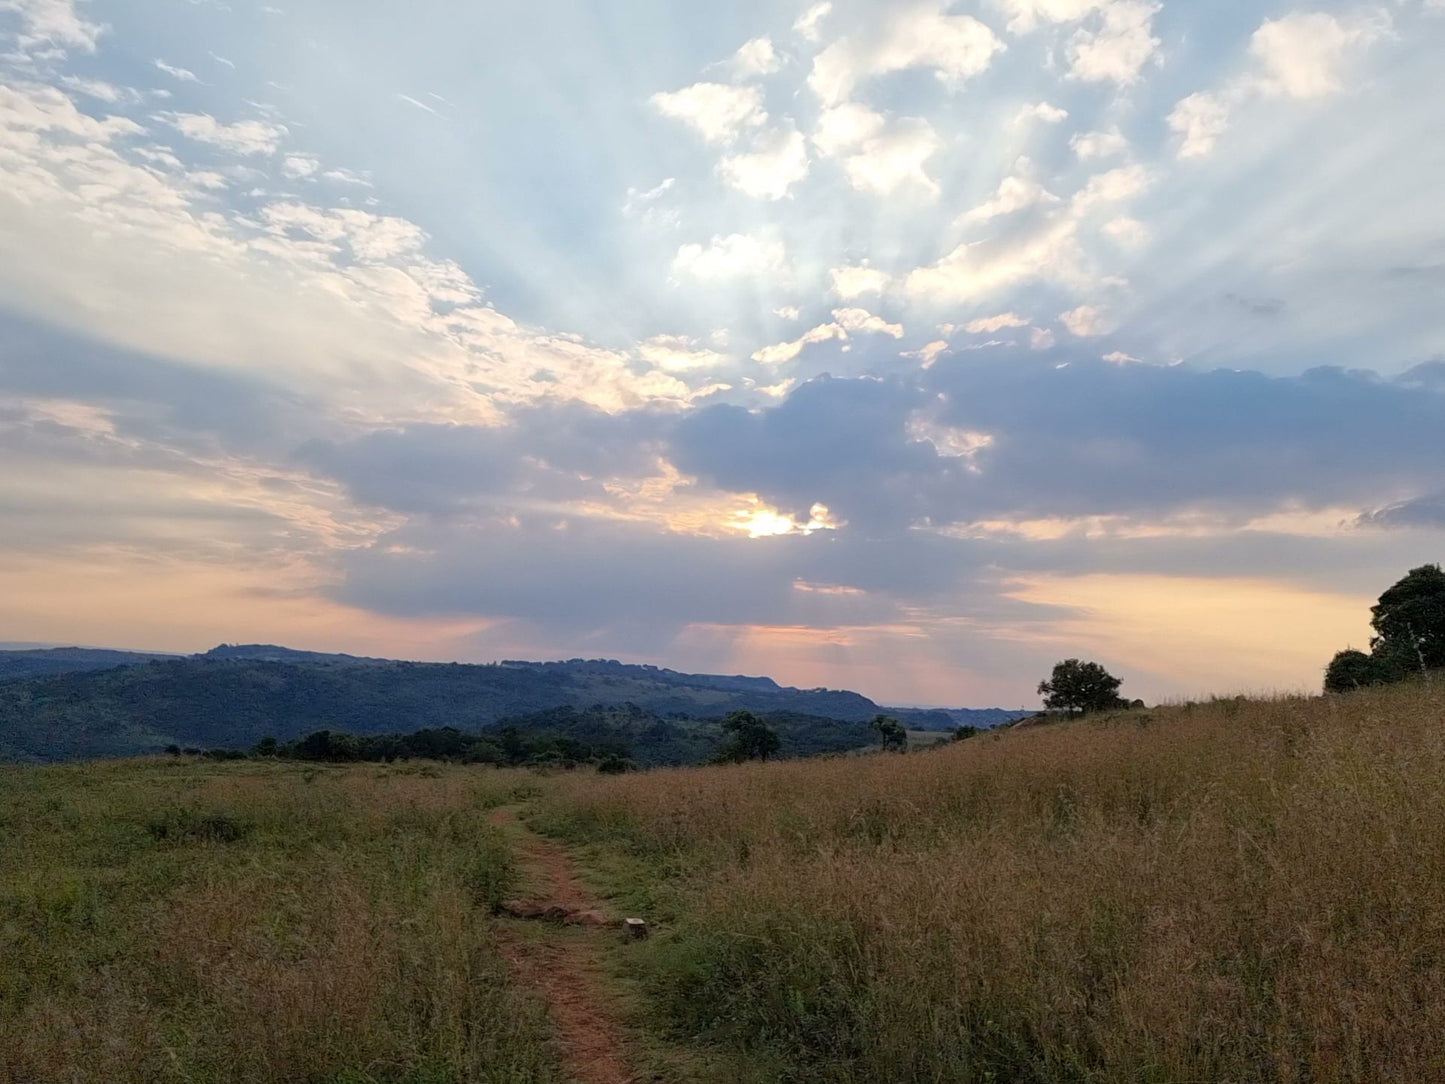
(1238, 891)
(184, 921)
(1235, 891)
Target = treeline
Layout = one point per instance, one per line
(505, 746)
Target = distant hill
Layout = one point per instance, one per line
(952, 718)
(234, 696)
(38, 662)
(66, 703)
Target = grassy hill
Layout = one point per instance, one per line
(1239, 890)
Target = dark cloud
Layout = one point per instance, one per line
(1077, 439)
(548, 454)
(1427, 511)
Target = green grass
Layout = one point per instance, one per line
(176, 920)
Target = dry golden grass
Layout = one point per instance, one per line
(1239, 891)
(188, 921)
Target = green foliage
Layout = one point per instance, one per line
(748, 738)
(1080, 687)
(891, 735)
(963, 733)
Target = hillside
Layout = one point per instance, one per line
(234, 696)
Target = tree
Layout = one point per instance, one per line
(749, 738)
(1409, 620)
(891, 735)
(1080, 686)
(963, 733)
(1351, 669)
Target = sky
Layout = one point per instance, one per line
(901, 347)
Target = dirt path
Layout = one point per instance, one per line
(562, 958)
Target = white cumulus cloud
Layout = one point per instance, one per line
(1085, 321)
(716, 111)
(921, 35)
(736, 255)
(757, 57)
(778, 160)
(1088, 145)
(851, 282)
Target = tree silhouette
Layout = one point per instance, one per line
(891, 735)
(1409, 620)
(749, 738)
(1080, 687)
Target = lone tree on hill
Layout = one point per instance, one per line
(1080, 686)
(891, 735)
(749, 738)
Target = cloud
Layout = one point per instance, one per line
(778, 353)
(1041, 111)
(1113, 47)
(778, 160)
(1426, 512)
(845, 127)
(757, 57)
(787, 312)
(1045, 248)
(845, 320)
(1087, 145)
(417, 104)
(809, 24)
(893, 158)
(1302, 55)
(1085, 321)
(54, 23)
(1150, 443)
(1199, 120)
(641, 202)
(851, 282)
(181, 75)
(955, 47)
(299, 166)
(247, 137)
(860, 320)
(100, 90)
(1118, 49)
(987, 325)
(716, 111)
(735, 255)
(878, 155)
(678, 353)
(1126, 231)
(929, 353)
(1016, 192)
